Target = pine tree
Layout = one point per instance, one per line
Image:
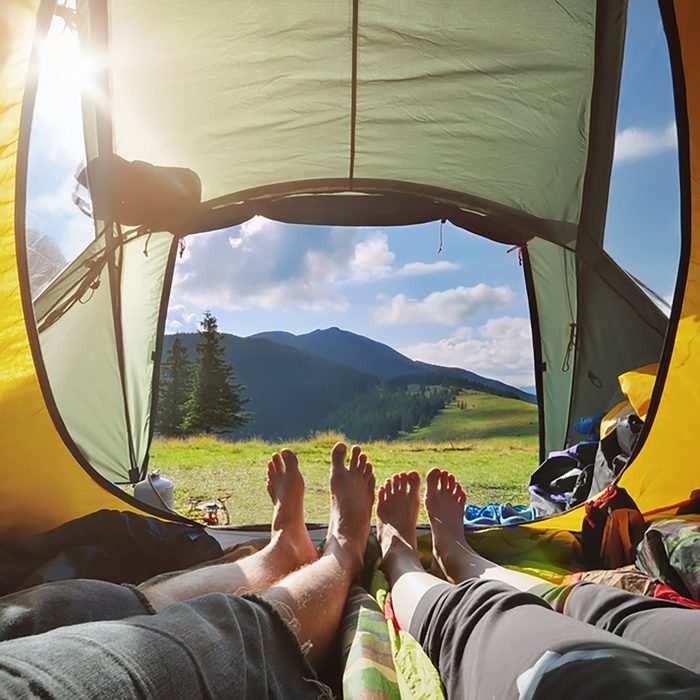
(174, 390)
(215, 403)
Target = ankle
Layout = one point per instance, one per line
(398, 558)
(349, 553)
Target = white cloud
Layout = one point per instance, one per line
(181, 320)
(450, 307)
(265, 264)
(421, 268)
(499, 349)
(247, 231)
(635, 143)
(372, 259)
(269, 265)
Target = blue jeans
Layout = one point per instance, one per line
(92, 639)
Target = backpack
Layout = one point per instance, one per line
(614, 452)
(554, 481)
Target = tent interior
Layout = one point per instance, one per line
(343, 114)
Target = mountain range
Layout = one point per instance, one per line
(295, 382)
(380, 360)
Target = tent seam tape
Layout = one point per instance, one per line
(353, 90)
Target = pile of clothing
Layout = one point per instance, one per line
(664, 564)
(570, 477)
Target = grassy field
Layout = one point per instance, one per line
(474, 416)
(493, 464)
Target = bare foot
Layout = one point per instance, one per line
(352, 496)
(397, 513)
(397, 509)
(285, 484)
(444, 501)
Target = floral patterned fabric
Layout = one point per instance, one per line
(670, 553)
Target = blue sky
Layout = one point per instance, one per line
(464, 306)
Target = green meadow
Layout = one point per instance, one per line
(490, 443)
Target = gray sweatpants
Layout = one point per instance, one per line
(91, 639)
(668, 629)
(489, 640)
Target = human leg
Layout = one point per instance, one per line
(315, 595)
(290, 547)
(444, 502)
(665, 628)
(214, 645)
(489, 640)
(42, 608)
(46, 607)
(397, 513)
(398, 502)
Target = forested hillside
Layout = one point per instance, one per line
(294, 392)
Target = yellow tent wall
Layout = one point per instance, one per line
(43, 485)
(665, 470)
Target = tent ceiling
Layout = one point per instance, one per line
(473, 105)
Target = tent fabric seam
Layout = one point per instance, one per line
(115, 281)
(160, 338)
(353, 91)
(536, 346)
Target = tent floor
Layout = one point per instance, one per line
(228, 536)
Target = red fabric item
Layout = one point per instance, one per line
(664, 592)
(389, 614)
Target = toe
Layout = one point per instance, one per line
(443, 480)
(432, 479)
(450, 482)
(413, 481)
(388, 485)
(338, 456)
(291, 463)
(278, 463)
(396, 483)
(362, 463)
(355, 457)
(271, 479)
